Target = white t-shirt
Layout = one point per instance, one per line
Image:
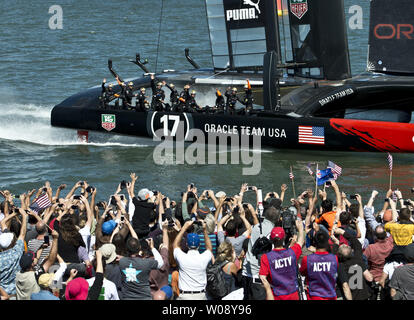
(86, 234)
(389, 268)
(109, 288)
(192, 269)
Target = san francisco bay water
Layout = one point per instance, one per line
(40, 67)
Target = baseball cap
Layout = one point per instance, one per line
(220, 194)
(277, 233)
(77, 289)
(145, 194)
(387, 217)
(168, 292)
(193, 241)
(108, 252)
(45, 280)
(26, 260)
(108, 226)
(203, 212)
(6, 239)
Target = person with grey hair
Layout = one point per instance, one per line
(41, 241)
(252, 285)
(402, 281)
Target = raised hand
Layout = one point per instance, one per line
(133, 177)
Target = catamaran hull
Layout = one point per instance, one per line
(275, 131)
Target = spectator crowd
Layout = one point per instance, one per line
(209, 245)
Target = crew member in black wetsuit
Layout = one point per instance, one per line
(128, 94)
(141, 102)
(183, 99)
(192, 105)
(158, 95)
(107, 94)
(232, 98)
(220, 104)
(248, 99)
(125, 95)
(174, 95)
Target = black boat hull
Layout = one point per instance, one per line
(278, 131)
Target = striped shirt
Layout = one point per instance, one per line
(34, 245)
(213, 239)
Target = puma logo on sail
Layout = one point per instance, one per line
(245, 13)
(251, 3)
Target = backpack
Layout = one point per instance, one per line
(216, 286)
(261, 245)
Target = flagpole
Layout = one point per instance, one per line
(293, 183)
(390, 179)
(316, 180)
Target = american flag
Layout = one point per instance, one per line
(40, 203)
(390, 161)
(308, 167)
(311, 135)
(336, 170)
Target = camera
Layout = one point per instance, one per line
(227, 199)
(155, 192)
(123, 184)
(90, 189)
(387, 200)
(191, 185)
(328, 183)
(249, 188)
(113, 201)
(198, 222)
(272, 195)
(353, 197)
(305, 196)
(74, 207)
(289, 222)
(407, 203)
(236, 209)
(100, 205)
(76, 197)
(82, 183)
(60, 205)
(44, 189)
(46, 239)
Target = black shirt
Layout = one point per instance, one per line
(350, 270)
(142, 215)
(68, 250)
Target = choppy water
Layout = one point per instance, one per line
(40, 67)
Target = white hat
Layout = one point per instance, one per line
(145, 194)
(6, 239)
(220, 194)
(108, 251)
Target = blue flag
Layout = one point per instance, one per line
(324, 175)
